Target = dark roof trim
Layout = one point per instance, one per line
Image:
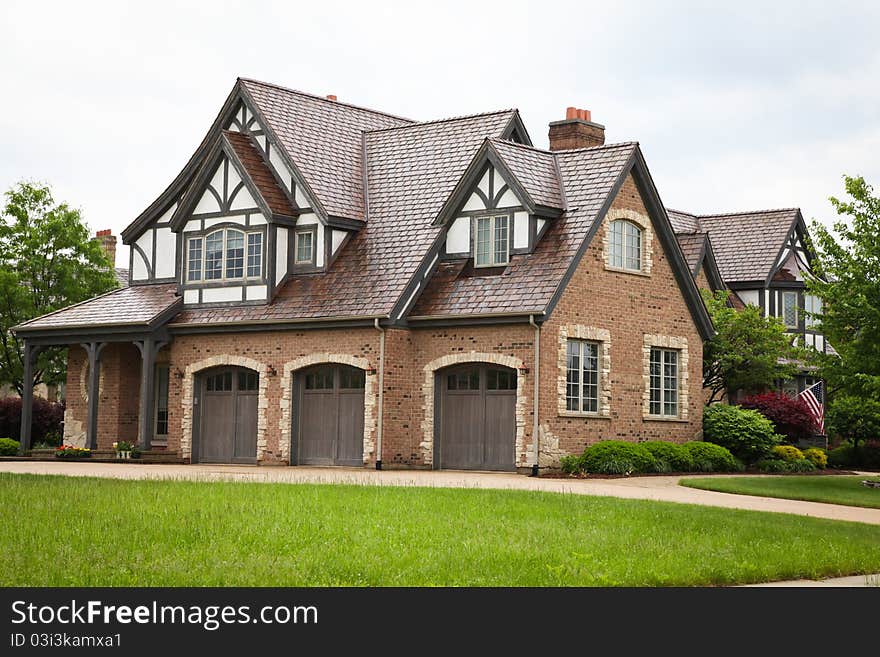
(246, 326)
(436, 321)
(785, 242)
(516, 125)
(77, 332)
(251, 185)
(178, 186)
(314, 203)
(484, 156)
(708, 262)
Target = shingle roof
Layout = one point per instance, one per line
(530, 281)
(259, 173)
(412, 170)
(682, 222)
(693, 247)
(121, 276)
(535, 169)
(746, 244)
(323, 138)
(137, 305)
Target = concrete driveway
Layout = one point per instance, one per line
(659, 488)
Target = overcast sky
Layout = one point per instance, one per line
(737, 107)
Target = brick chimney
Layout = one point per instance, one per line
(108, 243)
(576, 131)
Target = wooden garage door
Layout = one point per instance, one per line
(477, 418)
(228, 419)
(329, 424)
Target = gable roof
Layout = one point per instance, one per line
(693, 248)
(535, 169)
(411, 171)
(259, 173)
(682, 222)
(323, 138)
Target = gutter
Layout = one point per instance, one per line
(466, 316)
(535, 392)
(381, 393)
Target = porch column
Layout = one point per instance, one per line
(29, 355)
(146, 418)
(93, 349)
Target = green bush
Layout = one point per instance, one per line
(8, 447)
(817, 457)
(618, 457)
(841, 457)
(747, 434)
(855, 419)
(571, 464)
(778, 465)
(709, 457)
(787, 453)
(670, 457)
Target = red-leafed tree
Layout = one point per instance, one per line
(790, 415)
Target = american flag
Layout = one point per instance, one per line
(812, 397)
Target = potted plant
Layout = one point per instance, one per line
(72, 452)
(123, 449)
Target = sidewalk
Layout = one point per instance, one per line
(659, 488)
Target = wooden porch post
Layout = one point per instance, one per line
(27, 397)
(148, 348)
(93, 349)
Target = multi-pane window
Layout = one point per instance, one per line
(664, 382)
(625, 246)
(248, 381)
(305, 247)
(492, 241)
(464, 380)
(582, 376)
(790, 309)
(220, 255)
(497, 379)
(254, 255)
(320, 378)
(194, 259)
(161, 400)
(221, 382)
(813, 308)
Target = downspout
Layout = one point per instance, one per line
(535, 393)
(381, 393)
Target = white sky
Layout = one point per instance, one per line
(737, 107)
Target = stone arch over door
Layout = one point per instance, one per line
(370, 392)
(428, 390)
(187, 398)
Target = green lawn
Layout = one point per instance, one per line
(834, 489)
(70, 531)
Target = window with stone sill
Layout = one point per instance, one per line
(664, 382)
(582, 376)
(625, 246)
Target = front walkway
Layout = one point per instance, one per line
(664, 489)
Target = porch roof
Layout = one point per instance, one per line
(135, 308)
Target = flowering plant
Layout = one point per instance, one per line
(72, 452)
(123, 446)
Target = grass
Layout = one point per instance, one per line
(66, 531)
(833, 489)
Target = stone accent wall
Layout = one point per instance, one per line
(641, 219)
(667, 342)
(603, 337)
(370, 413)
(628, 307)
(426, 446)
(186, 398)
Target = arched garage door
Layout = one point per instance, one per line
(329, 419)
(476, 417)
(228, 417)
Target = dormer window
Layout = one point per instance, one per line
(492, 241)
(220, 256)
(304, 247)
(625, 246)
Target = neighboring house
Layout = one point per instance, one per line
(763, 258)
(327, 284)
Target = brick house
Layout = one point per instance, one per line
(330, 285)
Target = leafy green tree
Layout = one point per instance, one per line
(47, 261)
(749, 352)
(849, 256)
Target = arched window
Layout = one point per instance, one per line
(625, 246)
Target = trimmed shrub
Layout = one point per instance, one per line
(790, 415)
(787, 453)
(709, 457)
(47, 419)
(747, 434)
(841, 457)
(855, 419)
(8, 447)
(847, 455)
(571, 464)
(817, 457)
(670, 457)
(618, 457)
(777, 465)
